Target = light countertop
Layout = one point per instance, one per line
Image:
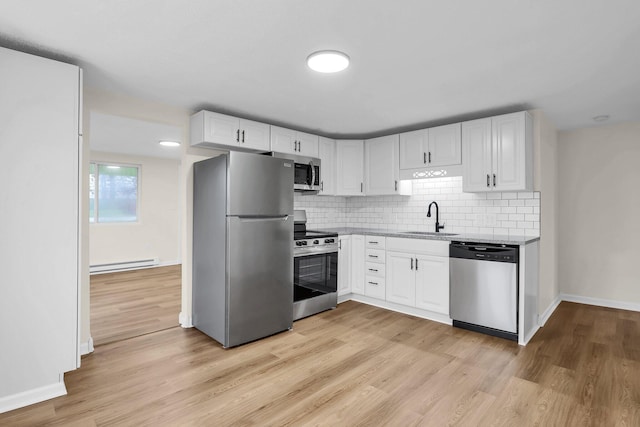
(463, 237)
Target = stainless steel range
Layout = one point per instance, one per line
(315, 262)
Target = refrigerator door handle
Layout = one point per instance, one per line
(258, 218)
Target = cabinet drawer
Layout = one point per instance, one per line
(374, 255)
(375, 269)
(419, 246)
(374, 287)
(375, 242)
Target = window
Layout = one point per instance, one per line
(113, 192)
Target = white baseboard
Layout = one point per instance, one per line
(120, 270)
(417, 312)
(622, 305)
(542, 318)
(29, 397)
(185, 320)
(86, 347)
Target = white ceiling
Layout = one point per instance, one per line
(414, 62)
(114, 134)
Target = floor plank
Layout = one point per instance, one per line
(132, 303)
(361, 365)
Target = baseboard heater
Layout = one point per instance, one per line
(126, 265)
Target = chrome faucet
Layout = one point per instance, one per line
(438, 226)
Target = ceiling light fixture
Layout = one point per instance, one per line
(601, 118)
(169, 143)
(328, 61)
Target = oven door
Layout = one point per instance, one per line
(315, 275)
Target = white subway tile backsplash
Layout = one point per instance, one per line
(487, 213)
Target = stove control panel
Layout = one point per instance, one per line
(316, 245)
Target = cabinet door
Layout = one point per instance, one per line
(432, 283)
(476, 152)
(254, 135)
(344, 265)
(509, 156)
(327, 154)
(401, 282)
(350, 168)
(413, 149)
(381, 165)
(307, 144)
(357, 264)
(221, 129)
(445, 145)
(283, 140)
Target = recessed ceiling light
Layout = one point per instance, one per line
(169, 143)
(328, 61)
(602, 118)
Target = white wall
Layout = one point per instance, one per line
(545, 181)
(157, 231)
(599, 212)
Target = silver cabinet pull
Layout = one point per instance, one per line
(372, 242)
(396, 185)
(412, 263)
(494, 179)
(373, 269)
(416, 264)
(321, 185)
(361, 187)
(424, 158)
(373, 283)
(488, 178)
(238, 135)
(243, 137)
(373, 256)
(429, 156)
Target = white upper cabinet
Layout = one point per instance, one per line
(445, 145)
(285, 140)
(350, 168)
(438, 146)
(381, 165)
(498, 153)
(327, 155)
(216, 130)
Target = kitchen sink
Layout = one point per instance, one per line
(428, 233)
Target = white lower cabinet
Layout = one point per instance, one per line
(418, 274)
(402, 281)
(357, 265)
(344, 265)
(432, 283)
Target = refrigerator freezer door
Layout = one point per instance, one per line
(260, 278)
(259, 185)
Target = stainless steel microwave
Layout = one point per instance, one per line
(307, 171)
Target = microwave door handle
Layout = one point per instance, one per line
(313, 175)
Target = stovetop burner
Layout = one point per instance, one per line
(310, 234)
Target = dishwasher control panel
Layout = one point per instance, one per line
(484, 251)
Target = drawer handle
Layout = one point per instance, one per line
(373, 256)
(373, 269)
(373, 243)
(373, 283)
(412, 263)
(416, 264)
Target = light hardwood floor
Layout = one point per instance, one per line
(132, 303)
(362, 365)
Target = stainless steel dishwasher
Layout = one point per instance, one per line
(484, 288)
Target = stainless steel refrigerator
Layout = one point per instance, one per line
(242, 247)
